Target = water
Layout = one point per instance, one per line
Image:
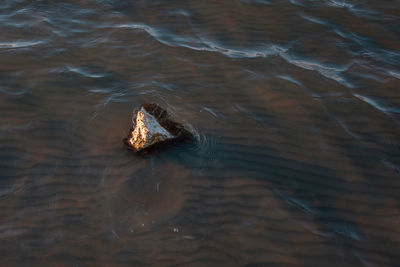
(295, 105)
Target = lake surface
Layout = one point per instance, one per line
(296, 109)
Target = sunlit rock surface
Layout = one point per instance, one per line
(152, 127)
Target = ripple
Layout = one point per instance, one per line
(198, 154)
(370, 48)
(395, 74)
(312, 19)
(78, 70)
(19, 44)
(377, 104)
(263, 2)
(340, 3)
(15, 93)
(333, 73)
(203, 44)
(212, 112)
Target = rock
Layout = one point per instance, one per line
(152, 127)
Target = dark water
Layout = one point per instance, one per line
(296, 108)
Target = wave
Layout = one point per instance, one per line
(19, 44)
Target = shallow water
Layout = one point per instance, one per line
(295, 106)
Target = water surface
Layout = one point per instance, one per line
(296, 109)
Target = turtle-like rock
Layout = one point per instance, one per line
(152, 127)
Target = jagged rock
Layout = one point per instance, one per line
(152, 127)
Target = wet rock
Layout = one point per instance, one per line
(152, 128)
